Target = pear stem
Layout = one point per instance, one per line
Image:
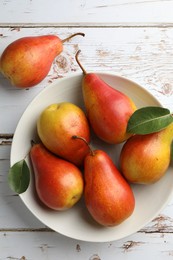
(33, 142)
(73, 35)
(84, 140)
(80, 65)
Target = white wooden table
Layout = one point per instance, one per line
(133, 38)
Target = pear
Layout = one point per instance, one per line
(108, 196)
(59, 184)
(144, 159)
(27, 61)
(57, 124)
(108, 109)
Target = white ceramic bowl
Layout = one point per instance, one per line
(76, 222)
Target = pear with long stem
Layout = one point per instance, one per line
(108, 196)
(27, 61)
(108, 109)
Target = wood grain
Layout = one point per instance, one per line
(132, 38)
(87, 13)
(50, 245)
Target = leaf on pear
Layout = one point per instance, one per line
(172, 152)
(148, 120)
(19, 177)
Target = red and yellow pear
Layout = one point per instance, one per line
(144, 159)
(108, 196)
(108, 109)
(27, 61)
(59, 184)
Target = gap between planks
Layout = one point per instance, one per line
(86, 25)
(6, 139)
(26, 230)
(46, 229)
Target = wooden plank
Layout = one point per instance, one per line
(89, 13)
(142, 54)
(50, 245)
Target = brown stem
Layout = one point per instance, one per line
(84, 140)
(80, 65)
(33, 142)
(73, 35)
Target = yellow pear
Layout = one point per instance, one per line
(56, 126)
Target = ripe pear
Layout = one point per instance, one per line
(108, 196)
(144, 159)
(108, 109)
(59, 184)
(57, 124)
(27, 61)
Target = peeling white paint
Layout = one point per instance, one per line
(133, 38)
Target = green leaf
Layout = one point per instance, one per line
(19, 177)
(148, 120)
(172, 152)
